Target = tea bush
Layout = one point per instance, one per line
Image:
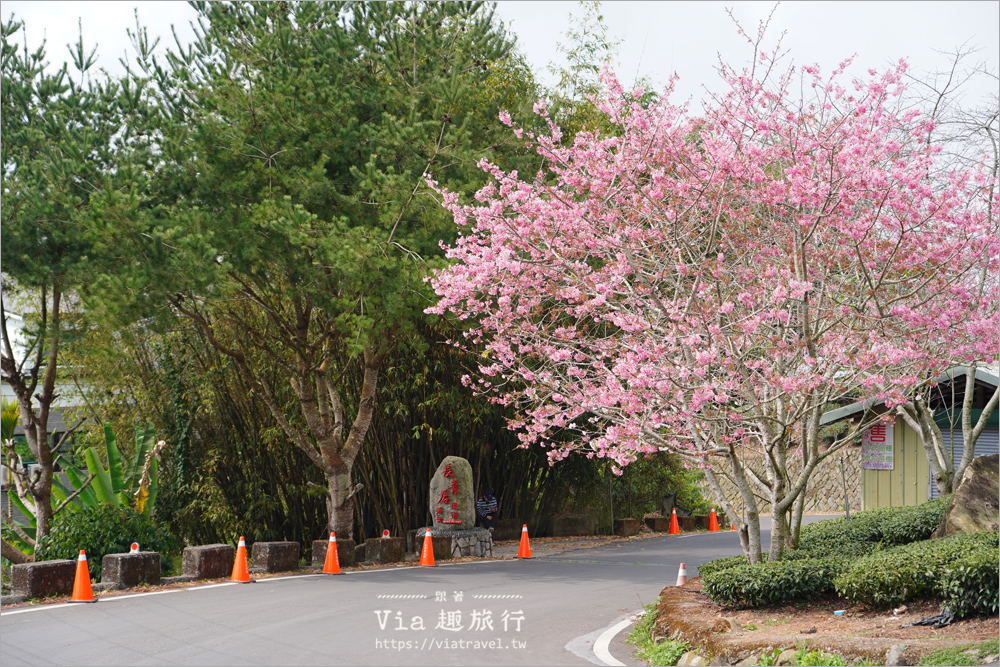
(865, 531)
(771, 583)
(720, 564)
(827, 549)
(970, 585)
(887, 578)
(101, 530)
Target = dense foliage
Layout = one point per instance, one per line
(104, 529)
(970, 585)
(771, 583)
(710, 283)
(879, 528)
(827, 550)
(892, 576)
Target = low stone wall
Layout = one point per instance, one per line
(127, 570)
(475, 542)
(42, 579)
(345, 552)
(824, 492)
(274, 556)
(209, 561)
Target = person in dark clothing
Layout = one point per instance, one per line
(488, 510)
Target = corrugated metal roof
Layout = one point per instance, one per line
(987, 375)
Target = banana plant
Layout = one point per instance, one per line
(124, 484)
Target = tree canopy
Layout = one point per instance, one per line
(710, 284)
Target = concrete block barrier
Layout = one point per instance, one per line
(127, 570)
(209, 561)
(42, 579)
(384, 549)
(274, 556)
(345, 552)
(627, 527)
(660, 524)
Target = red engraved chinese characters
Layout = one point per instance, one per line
(445, 502)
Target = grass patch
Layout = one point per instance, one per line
(967, 654)
(646, 648)
(818, 658)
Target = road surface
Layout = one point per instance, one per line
(550, 610)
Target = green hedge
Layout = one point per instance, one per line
(872, 529)
(771, 583)
(101, 530)
(720, 564)
(890, 577)
(970, 585)
(827, 550)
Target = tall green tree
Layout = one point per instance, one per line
(65, 159)
(290, 215)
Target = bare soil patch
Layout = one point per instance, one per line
(859, 633)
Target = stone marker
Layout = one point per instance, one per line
(209, 561)
(274, 556)
(452, 497)
(359, 554)
(345, 552)
(128, 570)
(42, 579)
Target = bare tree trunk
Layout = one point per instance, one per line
(35, 491)
(970, 433)
(750, 528)
(13, 554)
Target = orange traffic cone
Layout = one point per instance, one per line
(674, 528)
(332, 563)
(427, 553)
(682, 576)
(82, 592)
(524, 551)
(734, 525)
(713, 522)
(241, 574)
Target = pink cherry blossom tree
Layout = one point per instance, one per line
(711, 284)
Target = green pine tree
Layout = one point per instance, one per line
(290, 217)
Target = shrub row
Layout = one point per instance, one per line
(890, 577)
(771, 583)
(865, 531)
(971, 584)
(101, 530)
(720, 564)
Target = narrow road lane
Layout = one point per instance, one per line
(489, 613)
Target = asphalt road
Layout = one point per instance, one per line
(546, 611)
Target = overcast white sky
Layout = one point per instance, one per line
(658, 37)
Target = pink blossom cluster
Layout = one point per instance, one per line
(689, 283)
